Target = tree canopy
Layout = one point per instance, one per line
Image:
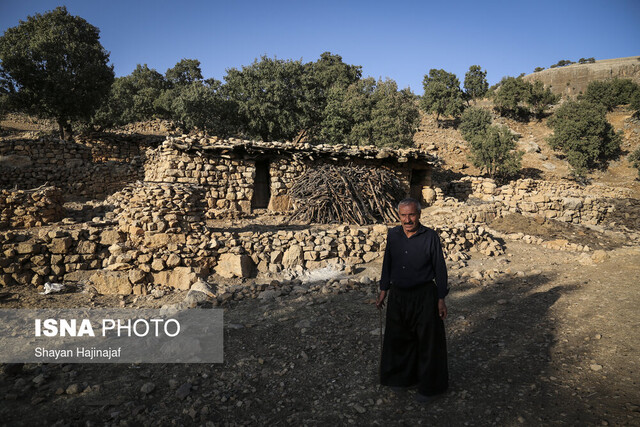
(582, 132)
(611, 93)
(370, 113)
(494, 150)
(271, 95)
(442, 94)
(475, 82)
(509, 96)
(58, 66)
(132, 98)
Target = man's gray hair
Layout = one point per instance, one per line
(410, 201)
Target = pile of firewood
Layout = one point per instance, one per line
(346, 194)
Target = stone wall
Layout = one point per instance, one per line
(566, 201)
(228, 172)
(30, 208)
(159, 207)
(71, 166)
(228, 182)
(117, 260)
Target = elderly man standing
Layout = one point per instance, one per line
(414, 274)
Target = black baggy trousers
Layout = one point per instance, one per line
(414, 351)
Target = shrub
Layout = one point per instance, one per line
(509, 96)
(473, 122)
(634, 158)
(581, 131)
(540, 98)
(611, 93)
(493, 150)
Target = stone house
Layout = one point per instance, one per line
(245, 176)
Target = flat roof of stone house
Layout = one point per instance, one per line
(303, 151)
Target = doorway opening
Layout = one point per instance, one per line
(261, 186)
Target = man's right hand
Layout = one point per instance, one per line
(380, 302)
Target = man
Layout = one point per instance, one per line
(414, 274)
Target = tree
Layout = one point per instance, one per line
(132, 98)
(493, 150)
(58, 66)
(581, 131)
(475, 82)
(319, 77)
(634, 158)
(370, 113)
(201, 105)
(538, 69)
(634, 103)
(562, 63)
(442, 94)
(395, 116)
(474, 121)
(6, 90)
(610, 93)
(272, 98)
(507, 98)
(185, 72)
(539, 98)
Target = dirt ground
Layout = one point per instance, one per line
(539, 339)
(535, 337)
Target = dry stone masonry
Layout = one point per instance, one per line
(30, 208)
(71, 166)
(567, 202)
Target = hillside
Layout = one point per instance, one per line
(539, 160)
(573, 79)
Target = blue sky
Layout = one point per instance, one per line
(398, 39)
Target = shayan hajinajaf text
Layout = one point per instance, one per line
(80, 352)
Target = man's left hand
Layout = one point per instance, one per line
(442, 309)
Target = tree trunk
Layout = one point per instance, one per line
(65, 129)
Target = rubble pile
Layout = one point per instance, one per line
(30, 208)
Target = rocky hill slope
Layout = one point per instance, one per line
(573, 79)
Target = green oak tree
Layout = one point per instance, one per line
(494, 151)
(58, 66)
(582, 132)
(474, 121)
(509, 96)
(132, 98)
(442, 94)
(475, 82)
(540, 98)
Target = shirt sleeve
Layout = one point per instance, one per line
(385, 277)
(439, 267)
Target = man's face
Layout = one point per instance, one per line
(410, 218)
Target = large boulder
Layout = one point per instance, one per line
(293, 256)
(109, 282)
(232, 265)
(179, 278)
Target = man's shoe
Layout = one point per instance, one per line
(421, 398)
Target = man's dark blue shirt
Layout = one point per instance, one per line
(413, 261)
